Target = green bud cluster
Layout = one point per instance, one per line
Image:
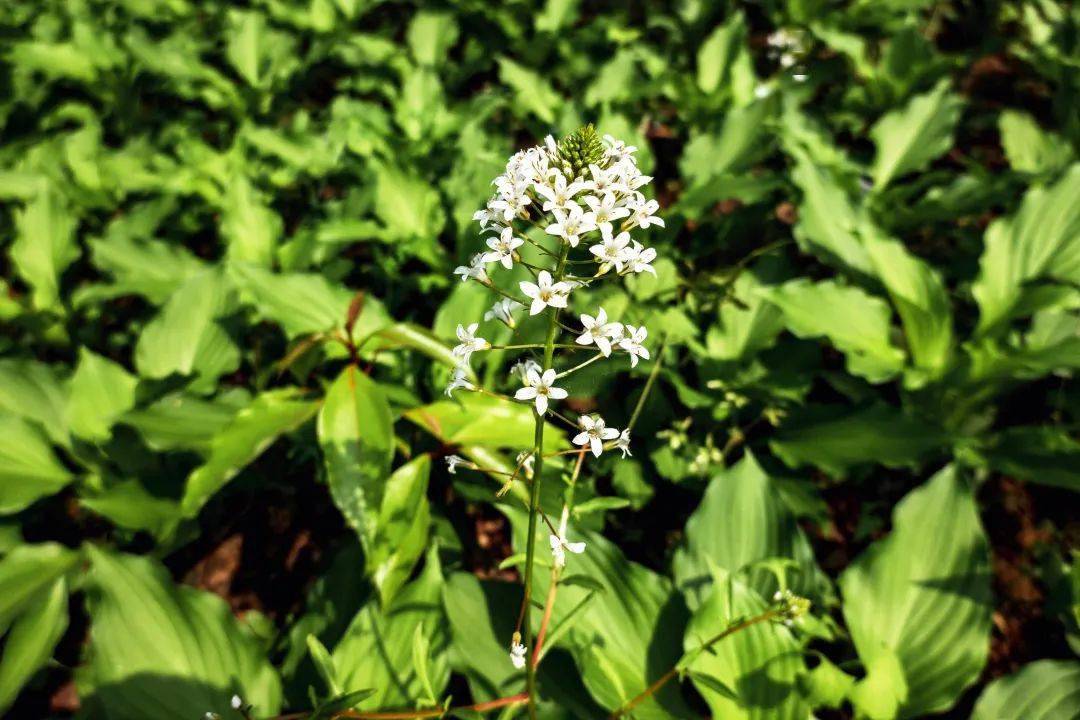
(580, 149)
(789, 606)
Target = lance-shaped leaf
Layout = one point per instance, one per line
(100, 392)
(248, 224)
(356, 433)
(26, 572)
(741, 521)
(377, 649)
(909, 138)
(35, 391)
(1042, 690)
(923, 594)
(29, 470)
(402, 525)
(858, 324)
(1042, 240)
(481, 620)
(44, 246)
(158, 650)
(32, 638)
(251, 431)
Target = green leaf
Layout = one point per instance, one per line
(44, 246)
(356, 433)
(26, 573)
(483, 420)
(717, 54)
(100, 393)
(858, 324)
(531, 91)
(346, 701)
(837, 439)
(320, 656)
(1039, 241)
(880, 694)
(34, 390)
(760, 664)
(29, 470)
(909, 138)
(181, 421)
(32, 638)
(826, 685)
(599, 504)
(430, 35)
(1044, 454)
(481, 618)
(923, 595)
(407, 205)
(185, 338)
(253, 430)
(129, 505)
(746, 327)
(1028, 147)
(1042, 690)
(376, 650)
(420, 648)
(402, 528)
(740, 141)
(742, 520)
(249, 226)
(159, 650)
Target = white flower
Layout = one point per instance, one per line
(605, 210)
(617, 149)
(639, 259)
(632, 343)
(559, 544)
(557, 193)
(623, 443)
(645, 213)
(612, 251)
(597, 330)
(605, 181)
(460, 379)
(236, 702)
(502, 310)
(517, 655)
(544, 292)
(475, 269)
(594, 433)
(571, 223)
(452, 461)
(540, 388)
(469, 342)
(502, 248)
(521, 368)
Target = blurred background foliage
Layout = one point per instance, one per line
(227, 233)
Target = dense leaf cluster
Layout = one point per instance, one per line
(226, 235)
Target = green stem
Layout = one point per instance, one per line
(648, 383)
(590, 361)
(534, 503)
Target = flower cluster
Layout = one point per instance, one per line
(567, 214)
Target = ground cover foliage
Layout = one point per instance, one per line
(228, 232)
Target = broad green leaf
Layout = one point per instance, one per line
(923, 594)
(531, 91)
(249, 226)
(159, 650)
(746, 327)
(151, 268)
(304, 303)
(1028, 147)
(624, 639)
(1042, 690)
(1042, 454)
(430, 35)
(401, 532)
(837, 439)
(32, 638)
(920, 298)
(880, 694)
(473, 419)
(257, 52)
(185, 337)
(909, 138)
(481, 619)
(376, 650)
(407, 205)
(181, 421)
(29, 470)
(826, 685)
(26, 573)
(1039, 241)
(858, 324)
(130, 505)
(356, 433)
(44, 246)
(100, 393)
(740, 141)
(717, 54)
(760, 664)
(742, 520)
(34, 390)
(253, 430)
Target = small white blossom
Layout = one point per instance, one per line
(460, 379)
(475, 269)
(469, 342)
(503, 310)
(618, 150)
(539, 388)
(557, 194)
(605, 210)
(521, 368)
(644, 213)
(612, 251)
(632, 343)
(594, 433)
(236, 702)
(544, 292)
(571, 223)
(639, 259)
(452, 461)
(517, 655)
(559, 543)
(598, 331)
(623, 443)
(502, 248)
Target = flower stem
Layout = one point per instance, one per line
(590, 361)
(534, 503)
(666, 677)
(648, 383)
